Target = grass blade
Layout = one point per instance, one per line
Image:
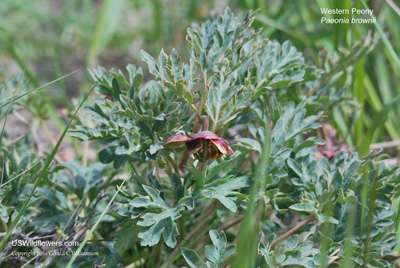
(20, 61)
(33, 90)
(19, 175)
(374, 101)
(66, 226)
(385, 40)
(365, 142)
(4, 127)
(359, 93)
(5, 118)
(95, 225)
(247, 246)
(107, 24)
(42, 174)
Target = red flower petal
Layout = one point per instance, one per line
(176, 141)
(207, 135)
(194, 145)
(222, 145)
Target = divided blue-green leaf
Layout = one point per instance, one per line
(216, 253)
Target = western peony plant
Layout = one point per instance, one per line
(269, 202)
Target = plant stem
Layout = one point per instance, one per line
(184, 161)
(293, 230)
(205, 123)
(371, 207)
(230, 223)
(155, 253)
(175, 167)
(196, 126)
(251, 225)
(182, 227)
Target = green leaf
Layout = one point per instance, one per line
(126, 237)
(192, 258)
(140, 202)
(295, 167)
(303, 207)
(152, 235)
(325, 218)
(155, 196)
(291, 242)
(280, 66)
(153, 68)
(170, 232)
(251, 144)
(224, 192)
(214, 170)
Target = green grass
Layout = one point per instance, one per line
(41, 176)
(107, 24)
(66, 226)
(4, 125)
(250, 227)
(85, 240)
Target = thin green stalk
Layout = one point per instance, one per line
(378, 119)
(197, 123)
(359, 93)
(106, 26)
(65, 227)
(34, 81)
(59, 72)
(20, 61)
(4, 126)
(95, 225)
(42, 174)
(340, 29)
(247, 246)
(374, 101)
(156, 6)
(272, 28)
(371, 208)
(5, 118)
(282, 27)
(326, 231)
(155, 253)
(7, 101)
(19, 175)
(385, 40)
(348, 243)
(396, 204)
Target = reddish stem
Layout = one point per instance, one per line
(293, 230)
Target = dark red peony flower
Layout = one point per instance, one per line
(206, 145)
(332, 146)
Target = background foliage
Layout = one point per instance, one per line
(287, 92)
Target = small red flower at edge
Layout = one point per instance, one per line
(206, 145)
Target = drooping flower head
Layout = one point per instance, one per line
(206, 145)
(332, 146)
